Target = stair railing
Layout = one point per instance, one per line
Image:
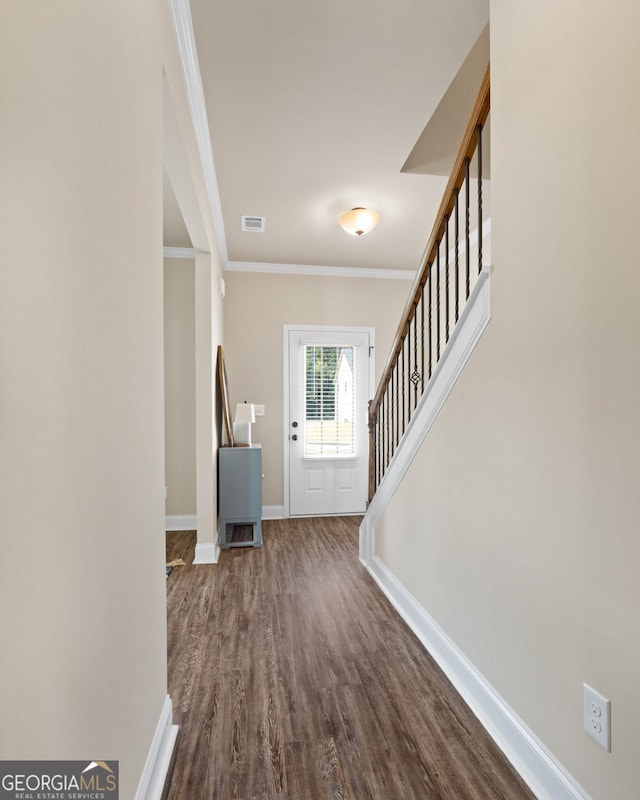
(434, 305)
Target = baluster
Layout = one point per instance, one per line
(380, 434)
(415, 375)
(383, 414)
(408, 344)
(430, 281)
(380, 440)
(446, 282)
(389, 396)
(371, 424)
(422, 334)
(479, 199)
(398, 400)
(397, 414)
(438, 303)
(457, 234)
(379, 445)
(402, 385)
(384, 433)
(467, 238)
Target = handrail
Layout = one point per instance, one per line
(460, 176)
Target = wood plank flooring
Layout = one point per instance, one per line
(292, 678)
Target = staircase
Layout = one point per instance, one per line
(447, 289)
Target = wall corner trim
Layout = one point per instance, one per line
(539, 769)
(154, 773)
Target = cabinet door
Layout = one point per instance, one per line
(240, 483)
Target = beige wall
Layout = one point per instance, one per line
(256, 308)
(180, 385)
(83, 667)
(516, 527)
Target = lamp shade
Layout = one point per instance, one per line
(245, 412)
(359, 221)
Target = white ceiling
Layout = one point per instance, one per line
(316, 107)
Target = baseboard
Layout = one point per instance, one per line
(154, 773)
(272, 512)
(181, 522)
(206, 553)
(540, 770)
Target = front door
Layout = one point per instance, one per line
(327, 435)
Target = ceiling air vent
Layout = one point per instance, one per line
(253, 224)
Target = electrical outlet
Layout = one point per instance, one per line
(259, 409)
(597, 716)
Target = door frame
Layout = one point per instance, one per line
(286, 329)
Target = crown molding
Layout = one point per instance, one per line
(298, 269)
(183, 28)
(311, 269)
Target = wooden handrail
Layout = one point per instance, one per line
(467, 148)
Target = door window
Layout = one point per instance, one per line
(329, 394)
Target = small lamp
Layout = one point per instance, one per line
(245, 415)
(359, 221)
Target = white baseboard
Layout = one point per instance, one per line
(540, 770)
(181, 522)
(272, 512)
(154, 773)
(206, 553)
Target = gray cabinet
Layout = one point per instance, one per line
(240, 494)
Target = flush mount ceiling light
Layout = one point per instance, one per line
(359, 221)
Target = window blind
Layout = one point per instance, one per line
(329, 401)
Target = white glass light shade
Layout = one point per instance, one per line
(245, 412)
(245, 415)
(359, 221)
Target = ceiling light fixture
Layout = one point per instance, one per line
(359, 221)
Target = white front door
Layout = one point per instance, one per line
(327, 432)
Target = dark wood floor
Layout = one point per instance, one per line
(292, 677)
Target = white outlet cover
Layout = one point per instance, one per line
(597, 716)
(259, 409)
